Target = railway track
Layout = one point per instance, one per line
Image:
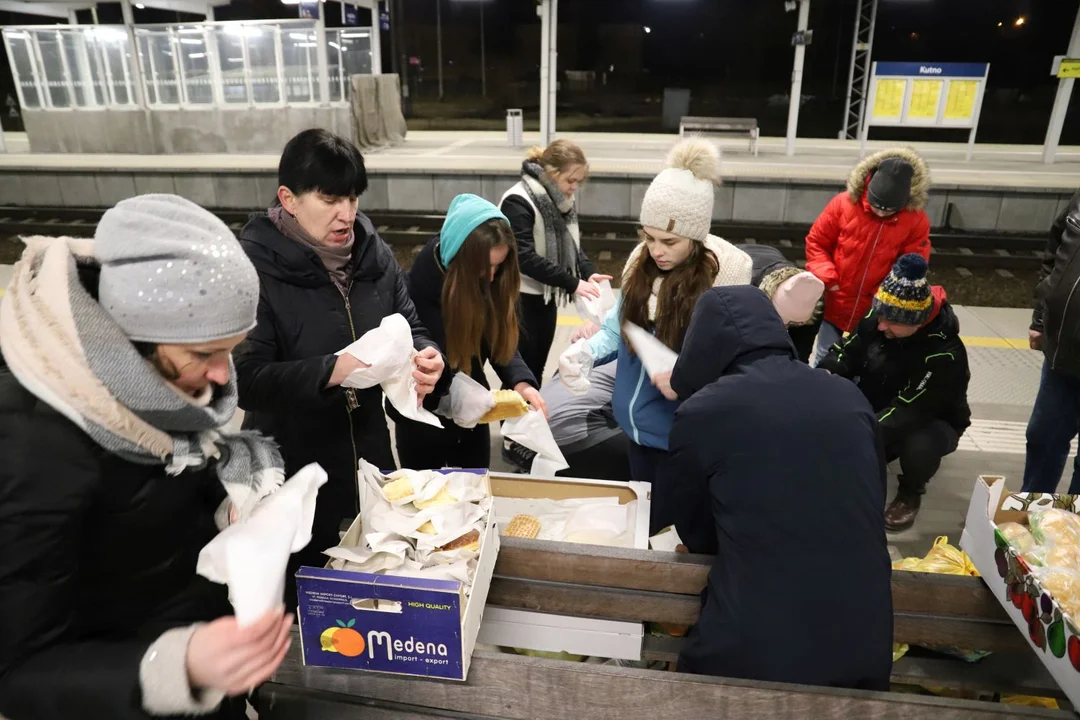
(955, 249)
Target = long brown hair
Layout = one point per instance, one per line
(679, 292)
(475, 309)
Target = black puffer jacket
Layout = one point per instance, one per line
(97, 559)
(913, 380)
(287, 360)
(1057, 310)
(790, 502)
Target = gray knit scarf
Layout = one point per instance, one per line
(66, 349)
(558, 213)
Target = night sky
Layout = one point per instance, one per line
(741, 46)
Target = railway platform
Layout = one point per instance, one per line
(1005, 188)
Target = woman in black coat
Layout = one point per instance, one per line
(115, 467)
(778, 470)
(326, 279)
(464, 284)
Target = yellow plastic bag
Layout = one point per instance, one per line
(943, 558)
(1030, 701)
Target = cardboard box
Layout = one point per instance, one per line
(560, 633)
(1055, 640)
(393, 624)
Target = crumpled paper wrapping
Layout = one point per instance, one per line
(388, 350)
(575, 364)
(467, 402)
(595, 309)
(392, 542)
(250, 556)
(655, 355)
(592, 521)
(533, 432)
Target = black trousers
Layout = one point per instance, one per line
(803, 336)
(645, 465)
(537, 321)
(423, 447)
(920, 452)
(605, 460)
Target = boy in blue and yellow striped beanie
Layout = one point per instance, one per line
(904, 297)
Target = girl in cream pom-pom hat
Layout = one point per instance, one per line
(676, 261)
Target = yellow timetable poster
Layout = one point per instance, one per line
(960, 105)
(889, 98)
(925, 99)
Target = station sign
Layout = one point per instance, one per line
(929, 95)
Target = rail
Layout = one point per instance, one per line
(972, 250)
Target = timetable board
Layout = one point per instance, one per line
(929, 95)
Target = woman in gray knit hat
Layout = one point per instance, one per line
(115, 385)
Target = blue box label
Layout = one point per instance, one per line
(914, 69)
(424, 638)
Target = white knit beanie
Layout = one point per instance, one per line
(680, 198)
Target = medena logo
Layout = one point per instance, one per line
(929, 70)
(410, 646)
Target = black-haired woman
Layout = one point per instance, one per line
(326, 279)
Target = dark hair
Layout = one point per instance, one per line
(321, 161)
(476, 309)
(678, 294)
(145, 349)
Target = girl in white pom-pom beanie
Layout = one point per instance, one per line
(676, 261)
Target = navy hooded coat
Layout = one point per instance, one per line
(778, 470)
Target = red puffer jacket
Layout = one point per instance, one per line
(851, 248)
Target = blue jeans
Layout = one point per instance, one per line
(1055, 421)
(827, 336)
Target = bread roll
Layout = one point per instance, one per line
(508, 405)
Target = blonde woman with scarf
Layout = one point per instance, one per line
(675, 263)
(115, 384)
(542, 211)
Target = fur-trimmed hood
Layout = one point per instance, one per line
(920, 180)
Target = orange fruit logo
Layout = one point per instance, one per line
(342, 639)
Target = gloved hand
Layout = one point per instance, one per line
(575, 364)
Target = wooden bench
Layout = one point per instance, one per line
(728, 127)
(637, 585)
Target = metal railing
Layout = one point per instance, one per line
(262, 63)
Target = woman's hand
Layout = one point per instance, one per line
(585, 332)
(429, 368)
(223, 656)
(533, 397)
(662, 381)
(344, 367)
(598, 278)
(587, 290)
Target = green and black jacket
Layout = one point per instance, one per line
(909, 381)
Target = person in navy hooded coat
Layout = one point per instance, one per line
(778, 469)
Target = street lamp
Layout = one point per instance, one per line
(1020, 21)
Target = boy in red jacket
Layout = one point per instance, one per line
(862, 232)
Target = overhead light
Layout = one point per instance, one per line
(1020, 21)
(189, 30)
(648, 29)
(239, 60)
(334, 45)
(306, 44)
(195, 56)
(355, 34)
(16, 35)
(140, 6)
(1000, 24)
(301, 36)
(191, 41)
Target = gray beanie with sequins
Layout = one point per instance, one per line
(172, 272)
